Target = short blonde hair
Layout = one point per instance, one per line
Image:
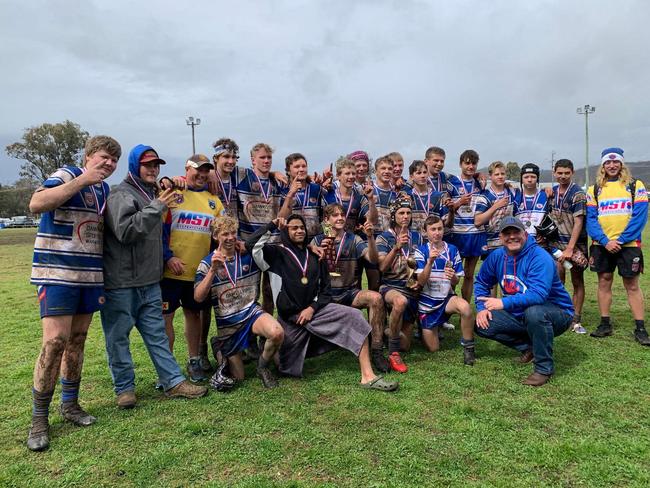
(223, 223)
(259, 146)
(103, 143)
(496, 165)
(344, 162)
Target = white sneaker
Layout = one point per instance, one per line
(448, 326)
(579, 329)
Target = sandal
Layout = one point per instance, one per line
(379, 383)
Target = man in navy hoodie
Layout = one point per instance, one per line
(535, 306)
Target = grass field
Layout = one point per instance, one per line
(449, 425)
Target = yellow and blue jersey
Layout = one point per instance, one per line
(613, 217)
(186, 230)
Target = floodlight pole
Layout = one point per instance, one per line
(586, 110)
(192, 122)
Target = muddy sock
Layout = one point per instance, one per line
(69, 390)
(393, 345)
(41, 404)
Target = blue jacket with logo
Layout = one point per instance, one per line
(526, 279)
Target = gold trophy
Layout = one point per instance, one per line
(330, 249)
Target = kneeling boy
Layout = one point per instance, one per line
(439, 268)
(233, 281)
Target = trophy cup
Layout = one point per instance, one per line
(330, 249)
(411, 282)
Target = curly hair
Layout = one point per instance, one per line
(625, 177)
(223, 223)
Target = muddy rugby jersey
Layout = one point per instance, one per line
(70, 239)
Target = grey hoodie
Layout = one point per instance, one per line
(133, 255)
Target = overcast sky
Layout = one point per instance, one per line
(328, 77)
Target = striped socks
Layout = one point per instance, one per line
(69, 390)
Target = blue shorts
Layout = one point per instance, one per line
(69, 300)
(437, 317)
(470, 245)
(239, 340)
(176, 293)
(346, 298)
(411, 312)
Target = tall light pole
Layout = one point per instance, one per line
(191, 121)
(586, 110)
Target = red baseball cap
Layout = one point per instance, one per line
(150, 155)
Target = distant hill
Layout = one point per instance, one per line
(640, 170)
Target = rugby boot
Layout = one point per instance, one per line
(38, 438)
(469, 356)
(396, 363)
(603, 330)
(268, 380)
(73, 413)
(641, 336)
(379, 362)
(195, 371)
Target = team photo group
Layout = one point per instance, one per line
(273, 265)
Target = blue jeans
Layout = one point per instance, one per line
(142, 307)
(536, 328)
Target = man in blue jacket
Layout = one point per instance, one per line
(535, 306)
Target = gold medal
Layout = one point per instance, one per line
(304, 280)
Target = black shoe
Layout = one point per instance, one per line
(268, 380)
(220, 381)
(641, 336)
(38, 438)
(194, 371)
(603, 330)
(469, 357)
(72, 412)
(379, 362)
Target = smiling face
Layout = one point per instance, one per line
(385, 173)
(296, 231)
(225, 162)
(227, 239)
(513, 239)
(398, 167)
(435, 232)
(347, 177)
(435, 164)
(563, 175)
(102, 159)
(613, 168)
(149, 172)
(336, 219)
(361, 166)
(468, 168)
(197, 177)
(298, 170)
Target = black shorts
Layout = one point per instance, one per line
(176, 293)
(629, 261)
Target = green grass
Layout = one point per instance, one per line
(448, 425)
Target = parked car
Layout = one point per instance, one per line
(22, 221)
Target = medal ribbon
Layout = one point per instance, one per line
(303, 267)
(560, 203)
(99, 211)
(232, 279)
(438, 186)
(530, 210)
(139, 188)
(340, 248)
(426, 209)
(401, 249)
(510, 287)
(339, 199)
(305, 198)
(223, 189)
